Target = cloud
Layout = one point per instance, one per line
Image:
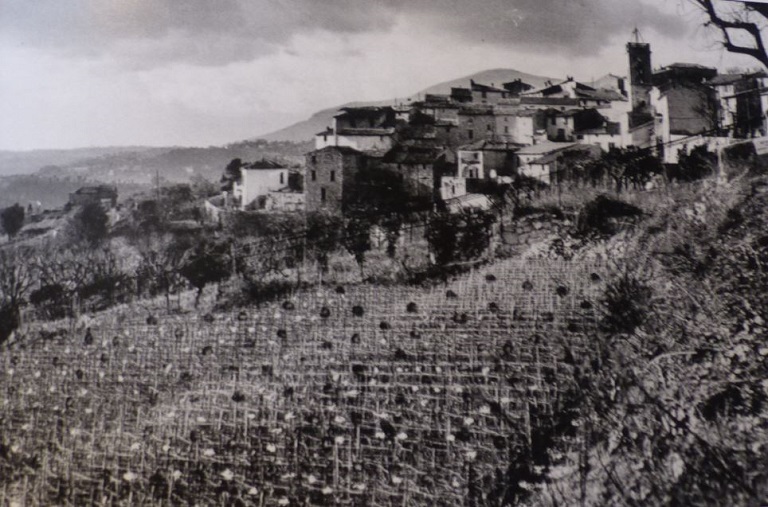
(149, 33)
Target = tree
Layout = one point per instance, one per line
(740, 25)
(91, 223)
(17, 277)
(357, 239)
(208, 262)
(233, 173)
(12, 219)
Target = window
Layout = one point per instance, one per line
(485, 94)
(333, 175)
(488, 127)
(314, 159)
(552, 120)
(506, 130)
(471, 134)
(322, 194)
(282, 178)
(314, 175)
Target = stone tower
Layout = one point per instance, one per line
(640, 72)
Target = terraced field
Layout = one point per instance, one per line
(363, 395)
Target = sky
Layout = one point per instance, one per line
(79, 73)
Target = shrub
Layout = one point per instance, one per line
(600, 216)
(627, 303)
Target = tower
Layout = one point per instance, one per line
(640, 72)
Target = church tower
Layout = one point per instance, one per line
(640, 72)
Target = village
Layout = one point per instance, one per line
(444, 147)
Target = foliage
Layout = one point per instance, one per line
(323, 235)
(460, 236)
(600, 216)
(208, 262)
(91, 223)
(17, 278)
(627, 303)
(357, 239)
(233, 173)
(696, 165)
(12, 219)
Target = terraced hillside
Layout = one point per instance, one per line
(361, 395)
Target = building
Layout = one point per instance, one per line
(101, 194)
(682, 110)
(516, 87)
(415, 166)
(485, 94)
(532, 161)
(518, 125)
(329, 177)
(257, 181)
(487, 159)
(742, 103)
(367, 129)
(640, 75)
(286, 199)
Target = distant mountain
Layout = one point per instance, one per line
(306, 129)
(27, 162)
(130, 169)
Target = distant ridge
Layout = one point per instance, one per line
(305, 130)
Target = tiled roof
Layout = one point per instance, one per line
(264, 164)
(388, 131)
(544, 148)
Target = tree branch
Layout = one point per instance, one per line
(758, 50)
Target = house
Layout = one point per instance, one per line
(476, 122)
(562, 126)
(257, 181)
(414, 165)
(530, 161)
(485, 94)
(682, 110)
(487, 159)
(329, 176)
(101, 194)
(518, 125)
(678, 73)
(743, 103)
(368, 129)
(516, 87)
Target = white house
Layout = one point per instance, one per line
(258, 180)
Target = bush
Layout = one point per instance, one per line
(627, 303)
(601, 216)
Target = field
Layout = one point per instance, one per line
(363, 395)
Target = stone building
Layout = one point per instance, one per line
(329, 177)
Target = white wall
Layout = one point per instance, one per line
(260, 182)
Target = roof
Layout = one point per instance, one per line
(544, 148)
(476, 109)
(491, 145)
(551, 157)
(485, 88)
(264, 164)
(549, 101)
(97, 190)
(410, 155)
(725, 79)
(384, 131)
(682, 65)
(466, 201)
(603, 94)
(364, 111)
(341, 149)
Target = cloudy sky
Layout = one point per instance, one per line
(81, 73)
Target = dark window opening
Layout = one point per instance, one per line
(282, 178)
(322, 194)
(471, 134)
(314, 175)
(333, 175)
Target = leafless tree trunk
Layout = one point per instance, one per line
(740, 24)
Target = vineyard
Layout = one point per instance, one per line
(356, 395)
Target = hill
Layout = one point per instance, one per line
(130, 169)
(306, 129)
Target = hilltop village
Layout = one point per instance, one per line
(445, 147)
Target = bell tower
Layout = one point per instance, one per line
(640, 72)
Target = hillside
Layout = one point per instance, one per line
(130, 169)
(305, 130)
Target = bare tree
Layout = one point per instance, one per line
(740, 24)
